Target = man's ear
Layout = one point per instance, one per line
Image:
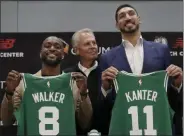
(139, 19)
(76, 51)
(62, 56)
(117, 27)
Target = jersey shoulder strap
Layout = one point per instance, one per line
(155, 73)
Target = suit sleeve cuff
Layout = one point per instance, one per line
(105, 92)
(176, 88)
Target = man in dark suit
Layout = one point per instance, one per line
(85, 46)
(178, 116)
(136, 55)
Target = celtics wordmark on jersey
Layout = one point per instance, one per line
(141, 106)
(47, 107)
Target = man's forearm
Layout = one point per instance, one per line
(7, 116)
(84, 113)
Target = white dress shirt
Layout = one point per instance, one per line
(87, 71)
(134, 55)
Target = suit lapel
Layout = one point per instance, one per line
(147, 56)
(120, 61)
(77, 69)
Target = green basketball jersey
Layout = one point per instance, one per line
(141, 106)
(47, 107)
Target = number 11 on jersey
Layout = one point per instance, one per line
(148, 110)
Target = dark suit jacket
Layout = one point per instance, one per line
(156, 57)
(99, 119)
(178, 117)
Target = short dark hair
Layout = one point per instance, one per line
(123, 6)
(61, 41)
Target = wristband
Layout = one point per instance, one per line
(9, 93)
(84, 94)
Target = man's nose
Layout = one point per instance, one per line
(92, 45)
(52, 48)
(128, 17)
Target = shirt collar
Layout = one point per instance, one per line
(83, 69)
(140, 40)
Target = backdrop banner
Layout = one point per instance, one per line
(20, 51)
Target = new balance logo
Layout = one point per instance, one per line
(6, 43)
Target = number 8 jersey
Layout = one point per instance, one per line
(141, 106)
(47, 106)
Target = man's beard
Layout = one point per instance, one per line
(130, 31)
(51, 63)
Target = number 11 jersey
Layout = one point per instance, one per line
(47, 106)
(141, 106)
